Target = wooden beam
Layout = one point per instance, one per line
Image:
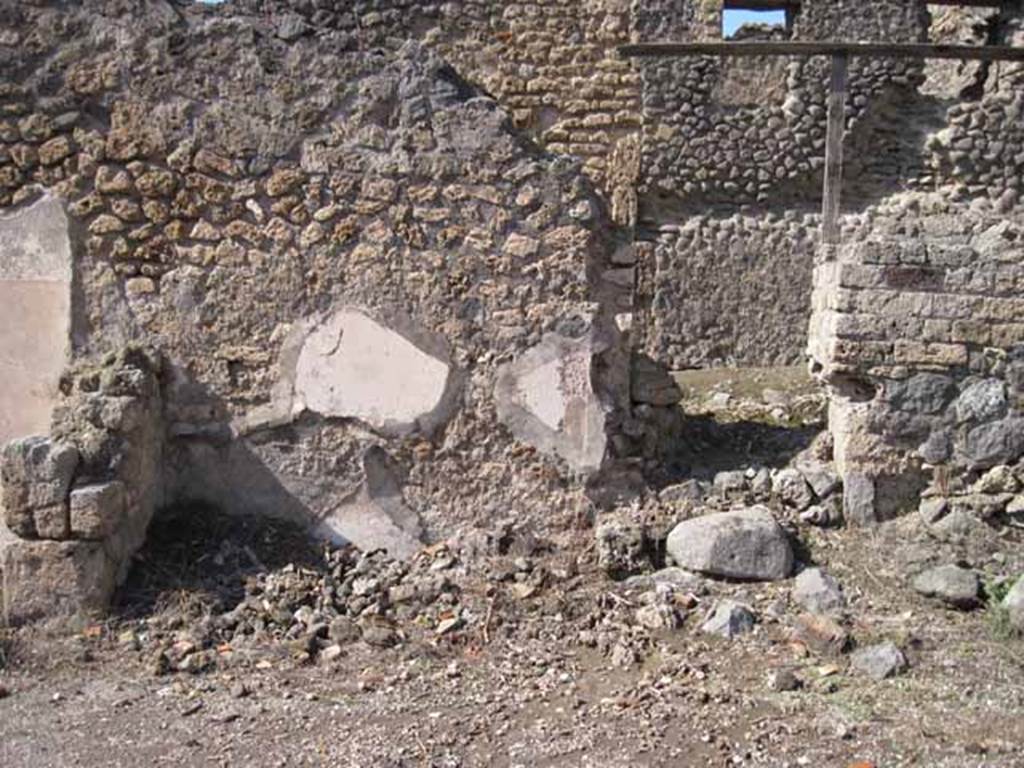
(870, 50)
(831, 198)
(760, 5)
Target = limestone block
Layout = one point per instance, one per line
(52, 521)
(353, 366)
(96, 509)
(55, 579)
(36, 474)
(547, 400)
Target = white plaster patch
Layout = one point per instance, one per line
(353, 367)
(546, 399)
(541, 393)
(35, 315)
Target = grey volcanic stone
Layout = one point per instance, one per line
(818, 592)
(981, 401)
(1013, 603)
(728, 620)
(951, 584)
(792, 489)
(879, 661)
(923, 393)
(744, 544)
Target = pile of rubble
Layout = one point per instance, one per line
(313, 612)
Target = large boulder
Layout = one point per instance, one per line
(745, 544)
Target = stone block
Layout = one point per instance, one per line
(96, 509)
(52, 521)
(55, 580)
(859, 499)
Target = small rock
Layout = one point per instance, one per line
(783, 679)
(953, 585)
(744, 544)
(879, 661)
(821, 634)
(999, 479)
(621, 546)
(343, 630)
(1013, 604)
(380, 636)
(658, 616)
(239, 690)
(719, 400)
(730, 483)
(792, 490)
(729, 619)
(683, 492)
(817, 592)
(824, 480)
(4, 692)
(330, 653)
(934, 509)
(291, 27)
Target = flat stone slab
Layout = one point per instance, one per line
(746, 544)
(953, 585)
(353, 366)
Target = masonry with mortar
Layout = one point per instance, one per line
(318, 259)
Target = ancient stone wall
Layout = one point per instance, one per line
(366, 282)
(747, 136)
(80, 500)
(918, 328)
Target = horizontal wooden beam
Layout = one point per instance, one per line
(794, 48)
(761, 5)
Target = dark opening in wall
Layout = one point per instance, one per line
(758, 19)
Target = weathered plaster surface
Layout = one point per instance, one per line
(35, 315)
(351, 366)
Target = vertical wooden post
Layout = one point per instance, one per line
(834, 149)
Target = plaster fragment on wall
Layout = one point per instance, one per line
(352, 366)
(35, 314)
(546, 399)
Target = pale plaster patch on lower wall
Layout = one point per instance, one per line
(547, 400)
(35, 315)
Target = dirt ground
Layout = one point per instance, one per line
(548, 665)
(532, 695)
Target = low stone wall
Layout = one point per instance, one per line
(79, 500)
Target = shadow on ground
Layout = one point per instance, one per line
(196, 557)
